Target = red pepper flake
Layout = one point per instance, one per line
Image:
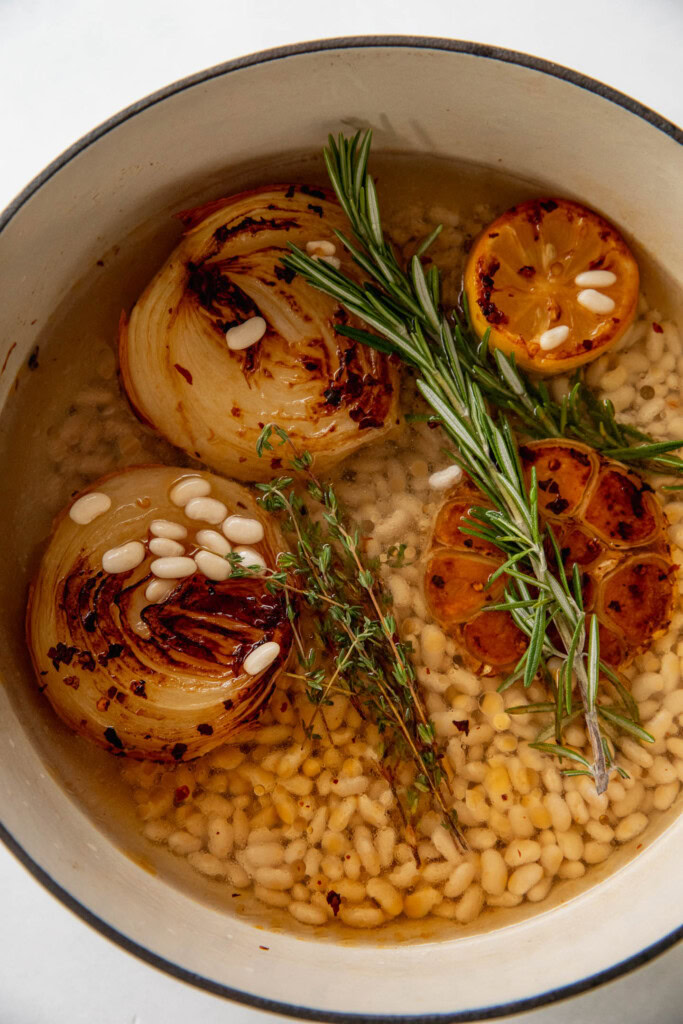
(463, 726)
(72, 681)
(181, 794)
(283, 707)
(264, 947)
(657, 328)
(184, 372)
(102, 704)
(334, 900)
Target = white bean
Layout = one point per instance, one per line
(524, 878)
(124, 558)
(213, 566)
(89, 507)
(630, 827)
(595, 301)
(188, 488)
(251, 559)
(166, 528)
(165, 547)
(246, 334)
(173, 568)
(213, 541)
(209, 510)
(241, 530)
(494, 874)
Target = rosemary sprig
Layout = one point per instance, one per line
(357, 650)
(579, 415)
(404, 310)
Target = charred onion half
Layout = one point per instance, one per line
(330, 394)
(156, 674)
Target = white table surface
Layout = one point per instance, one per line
(65, 66)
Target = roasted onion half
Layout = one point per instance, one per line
(330, 394)
(149, 657)
(605, 520)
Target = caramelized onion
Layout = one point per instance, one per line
(160, 679)
(604, 519)
(330, 394)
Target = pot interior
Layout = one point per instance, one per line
(79, 249)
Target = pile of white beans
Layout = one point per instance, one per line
(290, 820)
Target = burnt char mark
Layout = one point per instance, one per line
(113, 651)
(178, 751)
(216, 292)
(333, 396)
(557, 506)
(486, 273)
(60, 654)
(90, 622)
(318, 210)
(213, 622)
(183, 372)
(366, 396)
(536, 211)
(112, 737)
(86, 661)
(253, 225)
(315, 193)
(529, 456)
(284, 273)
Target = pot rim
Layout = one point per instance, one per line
(54, 888)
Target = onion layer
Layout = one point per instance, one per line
(159, 678)
(330, 394)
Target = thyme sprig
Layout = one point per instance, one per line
(404, 309)
(356, 650)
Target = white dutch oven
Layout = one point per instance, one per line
(448, 98)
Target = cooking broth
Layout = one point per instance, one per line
(67, 423)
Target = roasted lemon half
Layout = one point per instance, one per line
(554, 282)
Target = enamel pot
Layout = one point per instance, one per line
(453, 99)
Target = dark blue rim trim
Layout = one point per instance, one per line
(352, 42)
